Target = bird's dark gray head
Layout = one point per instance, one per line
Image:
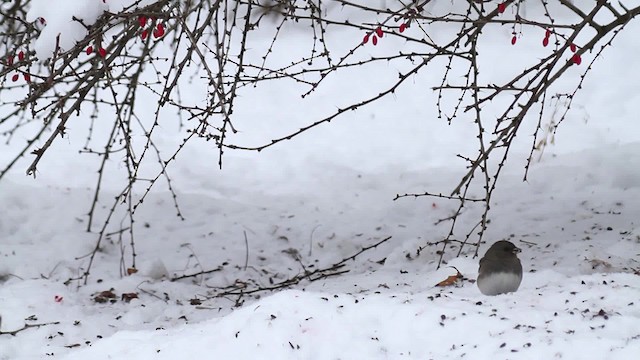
(502, 248)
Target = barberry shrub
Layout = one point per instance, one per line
(108, 59)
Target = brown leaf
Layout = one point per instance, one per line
(105, 296)
(599, 264)
(131, 271)
(451, 280)
(127, 297)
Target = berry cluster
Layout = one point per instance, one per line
(378, 33)
(576, 59)
(101, 51)
(10, 61)
(158, 30)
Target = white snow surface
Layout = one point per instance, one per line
(319, 199)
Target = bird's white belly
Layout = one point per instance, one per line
(499, 283)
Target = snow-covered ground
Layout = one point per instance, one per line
(321, 198)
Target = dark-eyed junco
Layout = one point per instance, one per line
(500, 269)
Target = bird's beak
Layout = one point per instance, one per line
(516, 250)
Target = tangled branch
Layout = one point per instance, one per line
(151, 50)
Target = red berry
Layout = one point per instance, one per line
(513, 40)
(403, 27)
(144, 34)
(572, 47)
(102, 52)
(89, 50)
(42, 21)
(502, 7)
(10, 60)
(379, 32)
(27, 77)
(374, 40)
(547, 33)
(159, 31)
(142, 20)
(14, 78)
(576, 59)
(21, 55)
(366, 38)
(545, 42)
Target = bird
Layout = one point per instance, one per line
(500, 269)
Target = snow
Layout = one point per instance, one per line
(319, 199)
(61, 27)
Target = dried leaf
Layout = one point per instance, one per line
(105, 296)
(127, 297)
(599, 264)
(451, 280)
